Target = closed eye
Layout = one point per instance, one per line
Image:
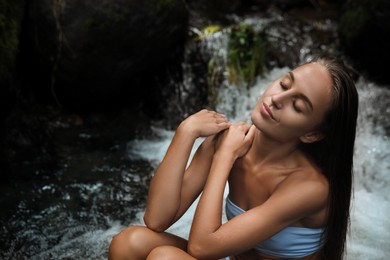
(296, 108)
(283, 86)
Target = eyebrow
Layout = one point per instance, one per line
(303, 96)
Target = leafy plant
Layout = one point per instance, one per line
(247, 50)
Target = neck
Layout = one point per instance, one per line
(267, 149)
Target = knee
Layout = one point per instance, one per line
(164, 253)
(128, 244)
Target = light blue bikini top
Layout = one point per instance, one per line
(291, 242)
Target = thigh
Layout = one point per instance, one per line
(169, 253)
(174, 253)
(136, 242)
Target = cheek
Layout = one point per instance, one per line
(296, 124)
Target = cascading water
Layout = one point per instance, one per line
(75, 215)
(368, 237)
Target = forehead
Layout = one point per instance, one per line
(315, 82)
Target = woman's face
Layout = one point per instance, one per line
(295, 104)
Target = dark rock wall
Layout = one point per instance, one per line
(364, 27)
(88, 54)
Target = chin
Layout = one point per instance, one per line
(256, 114)
(256, 119)
(253, 117)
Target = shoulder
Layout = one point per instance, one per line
(309, 178)
(301, 194)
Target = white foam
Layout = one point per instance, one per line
(370, 224)
(93, 242)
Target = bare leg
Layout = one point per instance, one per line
(136, 242)
(172, 253)
(169, 253)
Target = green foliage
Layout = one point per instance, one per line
(245, 59)
(247, 50)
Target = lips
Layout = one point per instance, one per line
(266, 111)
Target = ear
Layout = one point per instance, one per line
(312, 137)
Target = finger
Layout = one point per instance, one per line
(246, 127)
(251, 133)
(216, 114)
(221, 119)
(238, 125)
(223, 125)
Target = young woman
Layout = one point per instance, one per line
(289, 175)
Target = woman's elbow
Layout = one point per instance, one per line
(154, 224)
(197, 250)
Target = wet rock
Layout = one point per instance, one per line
(283, 4)
(212, 10)
(26, 150)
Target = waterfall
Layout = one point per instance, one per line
(368, 236)
(101, 186)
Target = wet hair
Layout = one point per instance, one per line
(334, 153)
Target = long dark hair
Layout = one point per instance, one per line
(334, 154)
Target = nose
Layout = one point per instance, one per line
(278, 100)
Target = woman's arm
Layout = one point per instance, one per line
(295, 198)
(172, 190)
(208, 215)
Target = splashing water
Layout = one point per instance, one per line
(368, 237)
(75, 218)
(369, 222)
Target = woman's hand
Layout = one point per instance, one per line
(237, 140)
(204, 123)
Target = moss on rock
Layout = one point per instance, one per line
(247, 50)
